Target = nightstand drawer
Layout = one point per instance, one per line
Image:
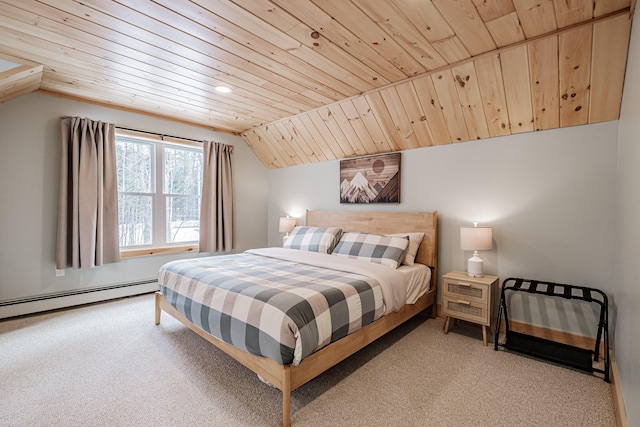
(466, 290)
(465, 309)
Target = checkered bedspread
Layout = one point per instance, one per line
(274, 307)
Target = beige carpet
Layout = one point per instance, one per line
(109, 365)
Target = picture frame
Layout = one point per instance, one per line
(370, 179)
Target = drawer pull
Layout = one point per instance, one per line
(463, 302)
(468, 285)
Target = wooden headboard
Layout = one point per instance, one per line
(386, 223)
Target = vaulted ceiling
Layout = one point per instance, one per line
(316, 80)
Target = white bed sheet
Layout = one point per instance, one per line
(410, 280)
(391, 281)
(418, 278)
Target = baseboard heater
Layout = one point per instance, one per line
(53, 301)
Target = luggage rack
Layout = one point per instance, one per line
(575, 357)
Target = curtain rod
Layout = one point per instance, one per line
(162, 135)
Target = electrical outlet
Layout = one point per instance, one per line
(59, 273)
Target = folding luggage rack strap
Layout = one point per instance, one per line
(550, 350)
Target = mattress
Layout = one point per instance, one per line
(418, 278)
(282, 303)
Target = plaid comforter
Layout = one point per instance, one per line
(270, 303)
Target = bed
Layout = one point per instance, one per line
(295, 363)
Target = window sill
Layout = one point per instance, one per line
(164, 250)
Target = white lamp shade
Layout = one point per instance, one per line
(287, 224)
(476, 238)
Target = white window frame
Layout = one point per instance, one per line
(159, 245)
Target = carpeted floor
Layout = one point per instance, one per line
(109, 365)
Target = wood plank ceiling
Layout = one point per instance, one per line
(316, 80)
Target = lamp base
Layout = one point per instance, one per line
(475, 266)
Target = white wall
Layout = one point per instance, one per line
(29, 176)
(627, 248)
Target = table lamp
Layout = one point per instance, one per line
(475, 239)
(286, 225)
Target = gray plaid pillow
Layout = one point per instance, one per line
(386, 250)
(313, 239)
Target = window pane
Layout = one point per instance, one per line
(134, 166)
(183, 219)
(135, 218)
(182, 171)
(144, 201)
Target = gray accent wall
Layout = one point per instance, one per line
(626, 277)
(549, 196)
(29, 179)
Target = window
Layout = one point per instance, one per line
(159, 191)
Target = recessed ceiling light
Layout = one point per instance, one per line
(223, 89)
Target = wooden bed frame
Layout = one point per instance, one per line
(287, 377)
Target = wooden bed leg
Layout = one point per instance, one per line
(158, 310)
(286, 397)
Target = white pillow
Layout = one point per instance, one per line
(414, 243)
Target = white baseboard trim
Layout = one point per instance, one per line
(57, 301)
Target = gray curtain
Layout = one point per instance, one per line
(216, 213)
(88, 203)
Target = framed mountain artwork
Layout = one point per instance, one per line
(371, 179)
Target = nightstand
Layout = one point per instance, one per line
(469, 298)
